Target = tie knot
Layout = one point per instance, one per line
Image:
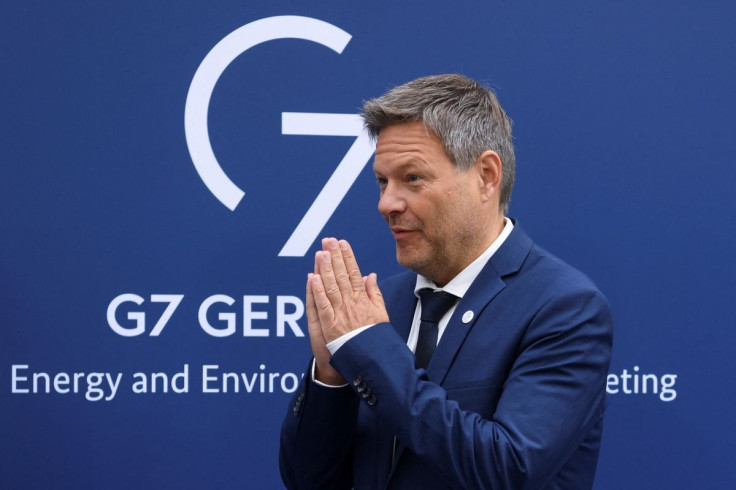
(435, 304)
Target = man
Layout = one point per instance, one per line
(514, 393)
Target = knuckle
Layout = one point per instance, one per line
(341, 275)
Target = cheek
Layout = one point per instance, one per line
(453, 214)
(417, 212)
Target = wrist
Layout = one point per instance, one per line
(328, 375)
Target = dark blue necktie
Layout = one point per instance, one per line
(434, 305)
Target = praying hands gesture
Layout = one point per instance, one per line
(339, 300)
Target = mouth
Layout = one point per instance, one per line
(399, 232)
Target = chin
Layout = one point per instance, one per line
(414, 263)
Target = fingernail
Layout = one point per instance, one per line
(317, 279)
(343, 244)
(326, 257)
(333, 243)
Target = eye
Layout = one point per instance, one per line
(412, 178)
(381, 181)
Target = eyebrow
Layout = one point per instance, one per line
(411, 163)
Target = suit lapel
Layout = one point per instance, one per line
(483, 290)
(507, 260)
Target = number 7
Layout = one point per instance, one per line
(320, 124)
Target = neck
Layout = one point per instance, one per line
(489, 234)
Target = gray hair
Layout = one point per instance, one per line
(464, 114)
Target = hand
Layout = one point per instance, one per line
(324, 371)
(345, 300)
(339, 300)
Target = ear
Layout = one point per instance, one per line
(490, 171)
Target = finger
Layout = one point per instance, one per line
(325, 311)
(332, 246)
(351, 266)
(327, 278)
(318, 258)
(316, 336)
(311, 306)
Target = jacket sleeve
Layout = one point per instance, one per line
(317, 436)
(552, 397)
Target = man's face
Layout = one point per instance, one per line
(432, 209)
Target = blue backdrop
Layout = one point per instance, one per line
(152, 335)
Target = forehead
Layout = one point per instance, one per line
(412, 141)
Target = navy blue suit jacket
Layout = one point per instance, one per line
(512, 398)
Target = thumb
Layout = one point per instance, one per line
(372, 289)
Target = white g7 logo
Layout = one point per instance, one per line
(301, 123)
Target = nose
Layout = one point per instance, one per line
(391, 202)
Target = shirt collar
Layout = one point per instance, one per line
(460, 284)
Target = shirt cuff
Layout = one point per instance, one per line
(333, 347)
(338, 342)
(320, 383)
